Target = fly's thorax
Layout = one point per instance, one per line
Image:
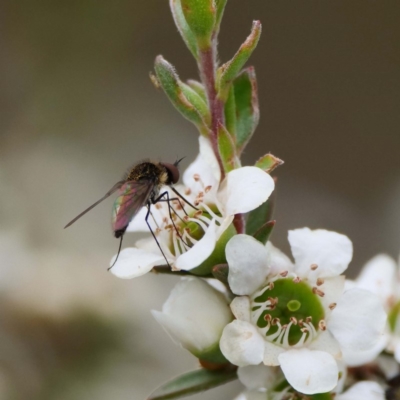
(153, 172)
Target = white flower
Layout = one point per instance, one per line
(194, 315)
(200, 230)
(297, 315)
(381, 275)
(365, 390)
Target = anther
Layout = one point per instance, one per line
(308, 319)
(301, 322)
(158, 206)
(186, 218)
(273, 301)
(275, 321)
(207, 188)
(201, 194)
(158, 230)
(304, 330)
(165, 220)
(188, 191)
(197, 213)
(284, 273)
(297, 279)
(271, 285)
(267, 317)
(293, 320)
(188, 230)
(284, 326)
(318, 292)
(332, 306)
(313, 267)
(196, 177)
(322, 325)
(320, 281)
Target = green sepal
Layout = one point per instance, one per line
(227, 149)
(221, 272)
(230, 112)
(191, 383)
(268, 162)
(185, 99)
(180, 21)
(217, 256)
(246, 107)
(257, 219)
(200, 16)
(229, 71)
(264, 232)
(198, 87)
(212, 355)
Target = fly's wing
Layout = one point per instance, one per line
(134, 195)
(109, 193)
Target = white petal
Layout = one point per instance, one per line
(357, 357)
(133, 262)
(333, 290)
(278, 260)
(208, 155)
(240, 307)
(366, 390)
(358, 321)
(252, 395)
(194, 314)
(326, 342)
(241, 344)
(138, 223)
(331, 251)
(244, 189)
(199, 168)
(248, 264)
(259, 376)
(388, 365)
(200, 251)
(379, 276)
(271, 354)
(309, 371)
(397, 352)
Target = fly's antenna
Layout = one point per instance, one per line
(119, 251)
(176, 163)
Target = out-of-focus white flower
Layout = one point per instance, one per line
(365, 390)
(381, 275)
(297, 315)
(194, 315)
(242, 190)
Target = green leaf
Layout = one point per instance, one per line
(264, 232)
(191, 383)
(188, 36)
(268, 162)
(220, 4)
(200, 16)
(230, 113)
(198, 87)
(246, 107)
(257, 220)
(228, 71)
(227, 149)
(185, 99)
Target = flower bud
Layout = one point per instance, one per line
(194, 315)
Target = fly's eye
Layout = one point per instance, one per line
(173, 172)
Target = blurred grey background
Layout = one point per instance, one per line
(77, 109)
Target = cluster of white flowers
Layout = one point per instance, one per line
(293, 328)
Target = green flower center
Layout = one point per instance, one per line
(393, 317)
(288, 312)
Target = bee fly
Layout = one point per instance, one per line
(141, 187)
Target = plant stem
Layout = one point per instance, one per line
(207, 66)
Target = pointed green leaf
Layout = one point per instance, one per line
(198, 87)
(227, 149)
(191, 383)
(220, 4)
(185, 99)
(257, 219)
(228, 72)
(264, 232)
(230, 113)
(268, 162)
(200, 16)
(246, 107)
(188, 36)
